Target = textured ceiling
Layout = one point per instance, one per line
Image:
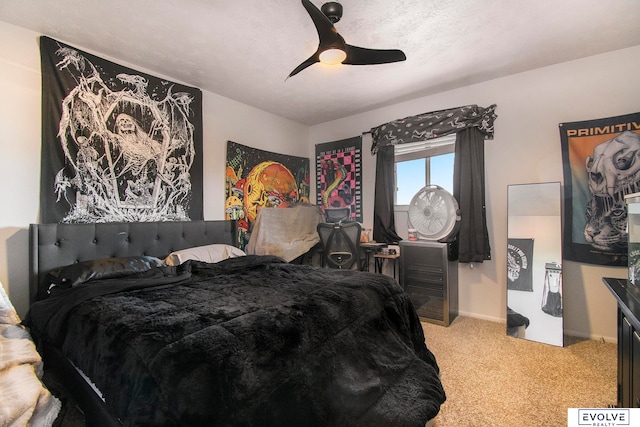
(245, 49)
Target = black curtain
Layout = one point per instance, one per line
(468, 189)
(473, 125)
(383, 216)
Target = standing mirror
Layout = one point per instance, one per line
(534, 263)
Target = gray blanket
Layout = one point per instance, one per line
(287, 233)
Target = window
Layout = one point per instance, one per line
(423, 163)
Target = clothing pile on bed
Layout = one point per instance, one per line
(287, 233)
(24, 401)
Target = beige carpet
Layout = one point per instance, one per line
(492, 379)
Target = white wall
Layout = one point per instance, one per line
(526, 149)
(20, 86)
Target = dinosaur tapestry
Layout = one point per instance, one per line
(118, 145)
(339, 175)
(601, 166)
(256, 179)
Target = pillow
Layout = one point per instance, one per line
(103, 268)
(208, 253)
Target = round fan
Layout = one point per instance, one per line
(333, 47)
(434, 213)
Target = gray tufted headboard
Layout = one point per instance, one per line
(56, 245)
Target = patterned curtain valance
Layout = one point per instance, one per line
(434, 125)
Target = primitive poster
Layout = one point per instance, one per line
(520, 265)
(118, 145)
(256, 179)
(339, 176)
(601, 166)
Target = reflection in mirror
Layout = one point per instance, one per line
(534, 262)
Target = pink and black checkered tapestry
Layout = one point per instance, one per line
(339, 175)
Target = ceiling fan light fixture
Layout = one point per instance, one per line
(333, 56)
(332, 48)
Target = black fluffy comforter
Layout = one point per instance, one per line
(250, 341)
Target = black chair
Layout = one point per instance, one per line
(340, 244)
(337, 214)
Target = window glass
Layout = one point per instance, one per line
(441, 168)
(432, 168)
(410, 177)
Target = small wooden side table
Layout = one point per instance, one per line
(379, 262)
(368, 248)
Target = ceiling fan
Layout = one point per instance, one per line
(332, 48)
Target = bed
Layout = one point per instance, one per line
(249, 340)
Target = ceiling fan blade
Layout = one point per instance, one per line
(307, 63)
(363, 56)
(326, 31)
(327, 34)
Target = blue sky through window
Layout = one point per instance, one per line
(411, 178)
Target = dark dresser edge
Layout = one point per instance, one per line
(628, 297)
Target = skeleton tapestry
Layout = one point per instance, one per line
(601, 161)
(117, 145)
(338, 176)
(257, 179)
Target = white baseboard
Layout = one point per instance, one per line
(590, 336)
(482, 317)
